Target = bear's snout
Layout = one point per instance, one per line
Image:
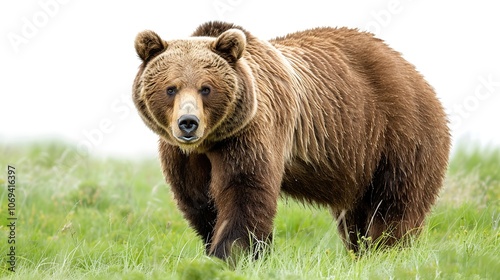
(188, 120)
(188, 125)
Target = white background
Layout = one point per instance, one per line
(67, 67)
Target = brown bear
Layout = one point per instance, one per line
(331, 116)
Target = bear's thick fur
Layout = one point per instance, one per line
(331, 116)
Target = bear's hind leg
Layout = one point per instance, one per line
(398, 200)
(391, 209)
(351, 224)
(380, 225)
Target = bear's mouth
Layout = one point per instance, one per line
(188, 138)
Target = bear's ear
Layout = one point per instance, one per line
(230, 44)
(148, 44)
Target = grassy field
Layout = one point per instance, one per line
(88, 218)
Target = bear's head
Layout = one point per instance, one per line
(194, 92)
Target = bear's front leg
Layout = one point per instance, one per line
(189, 179)
(245, 191)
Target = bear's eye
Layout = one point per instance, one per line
(171, 90)
(205, 91)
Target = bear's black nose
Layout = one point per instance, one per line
(188, 124)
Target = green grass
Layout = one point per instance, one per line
(89, 218)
